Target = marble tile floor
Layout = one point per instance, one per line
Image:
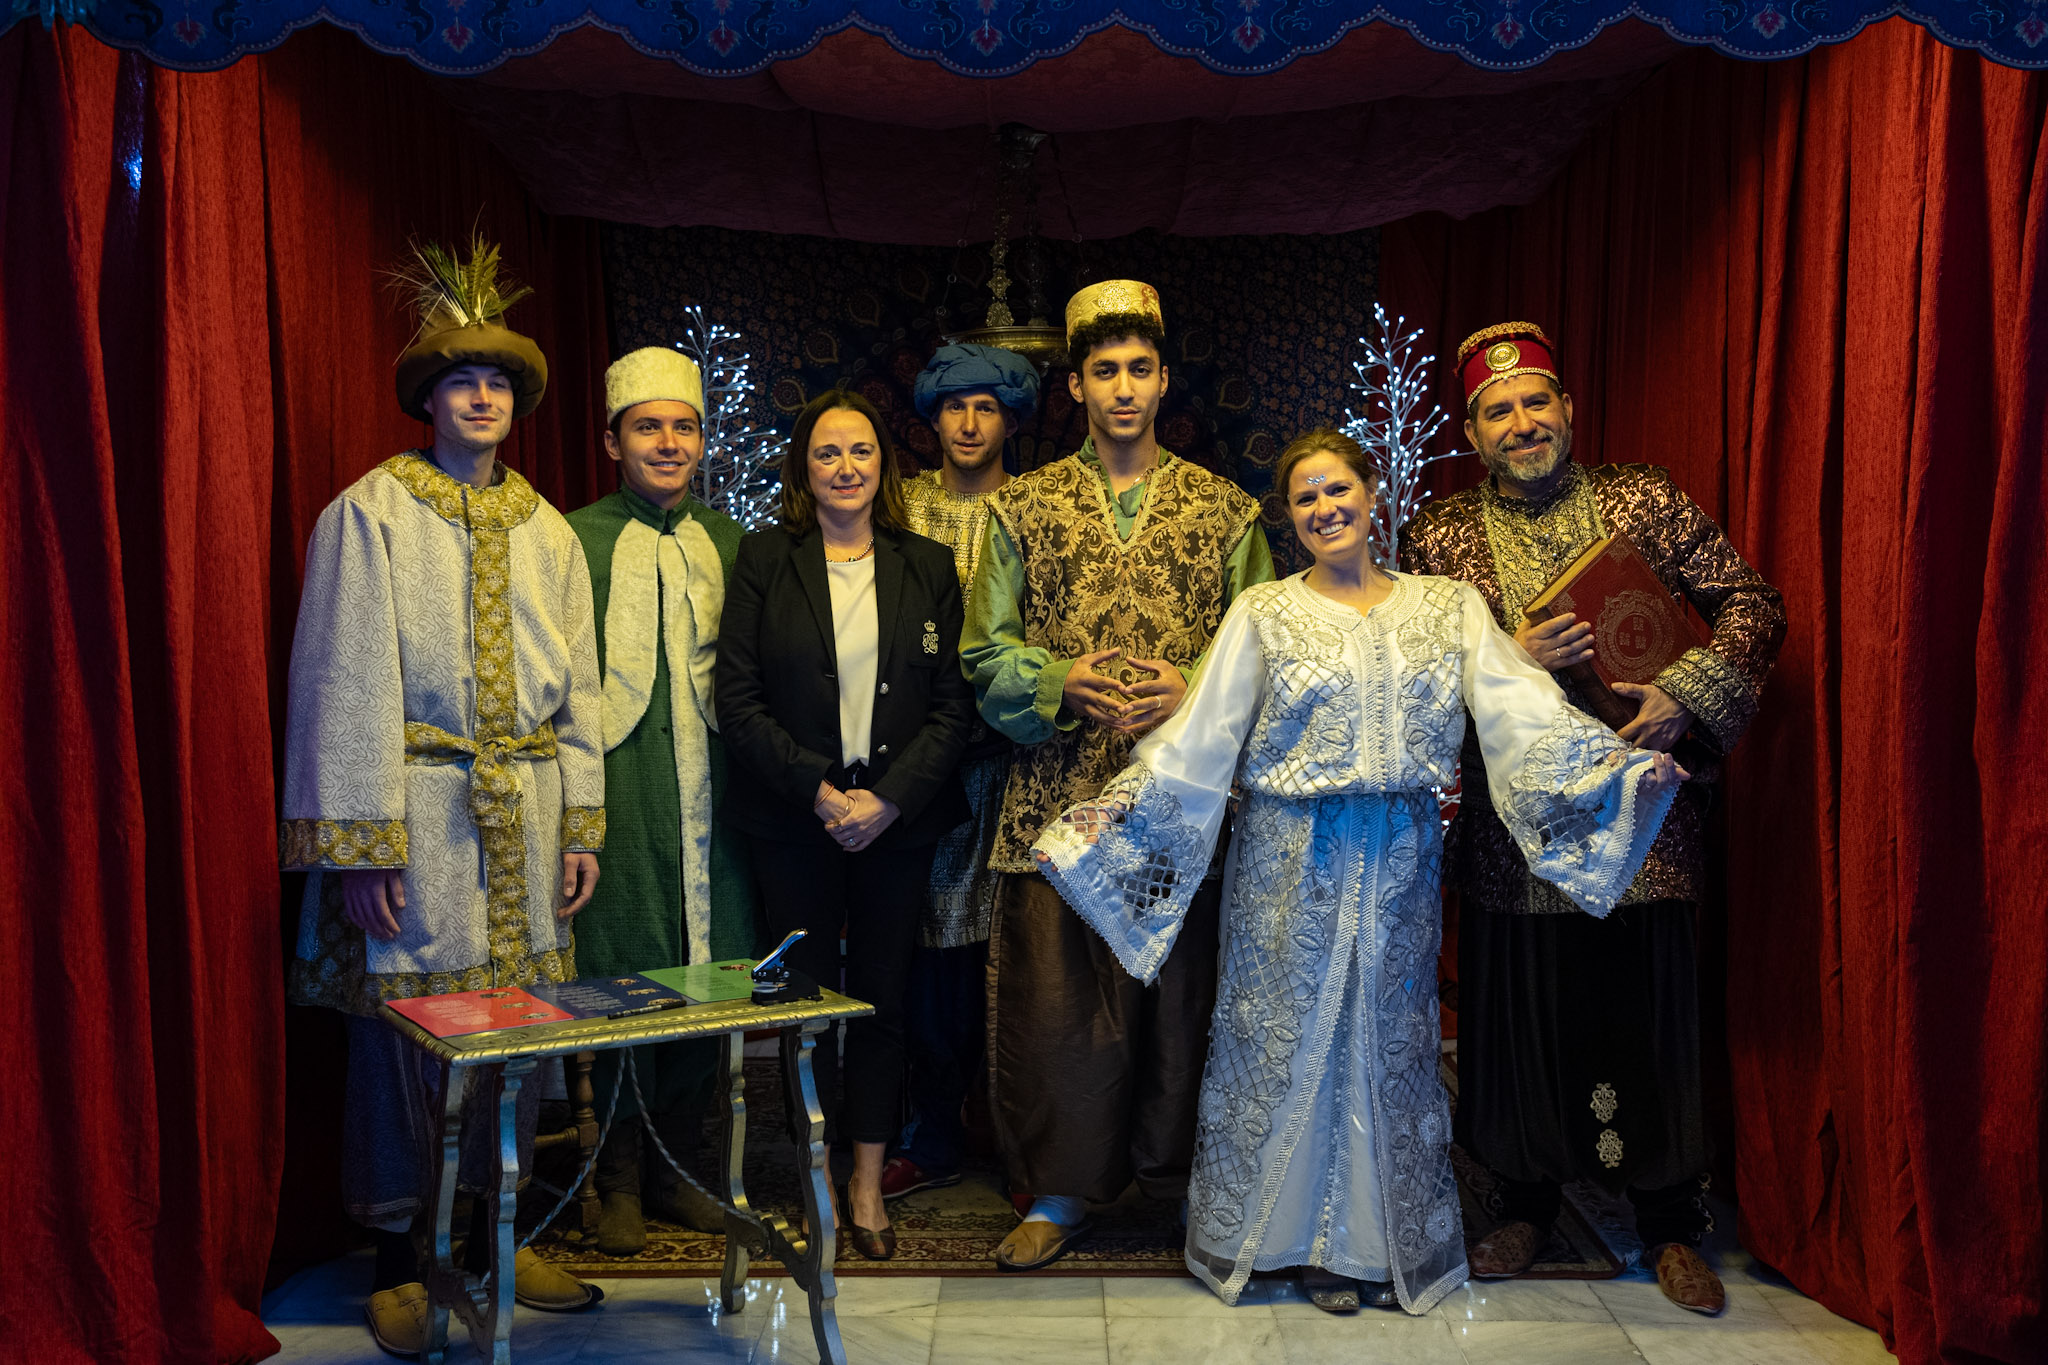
(1024, 1320)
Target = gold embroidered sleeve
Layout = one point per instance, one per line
(1721, 699)
(341, 844)
(583, 829)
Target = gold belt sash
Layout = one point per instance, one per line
(493, 781)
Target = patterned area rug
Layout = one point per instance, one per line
(954, 1231)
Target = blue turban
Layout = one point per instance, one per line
(968, 369)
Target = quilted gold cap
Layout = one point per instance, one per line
(1113, 296)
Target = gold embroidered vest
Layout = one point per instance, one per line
(1159, 595)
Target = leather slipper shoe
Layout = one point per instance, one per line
(1505, 1252)
(1329, 1291)
(1033, 1245)
(1687, 1280)
(537, 1284)
(398, 1320)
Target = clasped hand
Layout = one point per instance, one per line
(854, 819)
(1136, 709)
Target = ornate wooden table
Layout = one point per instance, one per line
(507, 1057)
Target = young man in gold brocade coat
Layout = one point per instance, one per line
(1102, 579)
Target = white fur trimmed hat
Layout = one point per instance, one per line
(650, 374)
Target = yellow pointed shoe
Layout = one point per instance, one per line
(398, 1320)
(537, 1284)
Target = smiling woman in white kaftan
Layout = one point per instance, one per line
(1336, 699)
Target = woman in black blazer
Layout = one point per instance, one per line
(844, 712)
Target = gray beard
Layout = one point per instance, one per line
(1499, 466)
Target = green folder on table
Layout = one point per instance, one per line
(709, 982)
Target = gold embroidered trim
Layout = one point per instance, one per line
(341, 843)
(583, 829)
(1532, 541)
(505, 504)
(1495, 377)
(957, 521)
(1608, 1148)
(1605, 1102)
(1715, 691)
(494, 795)
(336, 978)
(1513, 330)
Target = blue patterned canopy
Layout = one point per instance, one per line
(1000, 37)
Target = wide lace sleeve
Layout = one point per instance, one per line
(1130, 860)
(1563, 784)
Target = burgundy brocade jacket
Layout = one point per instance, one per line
(1509, 549)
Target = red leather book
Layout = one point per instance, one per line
(1639, 628)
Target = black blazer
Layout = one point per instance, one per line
(778, 688)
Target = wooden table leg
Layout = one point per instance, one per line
(444, 1280)
(814, 1271)
(732, 1284)
(583, 1113)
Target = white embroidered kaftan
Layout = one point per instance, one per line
(1324, 1125)
(445, 715)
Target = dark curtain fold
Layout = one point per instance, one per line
(196, 357)
(1815, 291)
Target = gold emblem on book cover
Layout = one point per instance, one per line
(1632, 635)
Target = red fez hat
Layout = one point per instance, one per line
(1502, 352)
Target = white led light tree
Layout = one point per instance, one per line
(1393, 429)
(739, 475)
(1392, 385)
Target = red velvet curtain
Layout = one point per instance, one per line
(195, 359)
(1815, 290)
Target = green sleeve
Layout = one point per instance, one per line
(1017, 687)
(1251, 562)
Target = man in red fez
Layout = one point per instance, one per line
(1578, 1039)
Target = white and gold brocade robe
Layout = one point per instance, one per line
(1324, 1126)
(445, 716)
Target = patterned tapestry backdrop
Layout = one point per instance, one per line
(1260, 330)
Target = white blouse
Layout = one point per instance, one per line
(856, 635)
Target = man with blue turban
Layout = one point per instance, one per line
(974, 397)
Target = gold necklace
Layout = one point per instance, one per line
(866, 550)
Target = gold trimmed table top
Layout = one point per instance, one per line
(713, 1020)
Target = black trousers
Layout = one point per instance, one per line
(1579, 1058)
(948, 1012)
(876, 896)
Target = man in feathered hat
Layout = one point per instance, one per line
(1101, 581)
(975, 397)
(675, 891)
(444, 771)
(1578, 1038)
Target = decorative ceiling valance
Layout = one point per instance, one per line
(1002, 37)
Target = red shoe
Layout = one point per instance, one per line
(901, 1176)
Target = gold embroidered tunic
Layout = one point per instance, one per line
(444, 716)
(1510, 548)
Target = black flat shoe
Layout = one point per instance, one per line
(873, 1245)
(1330, 1292)
(1373, 1294)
